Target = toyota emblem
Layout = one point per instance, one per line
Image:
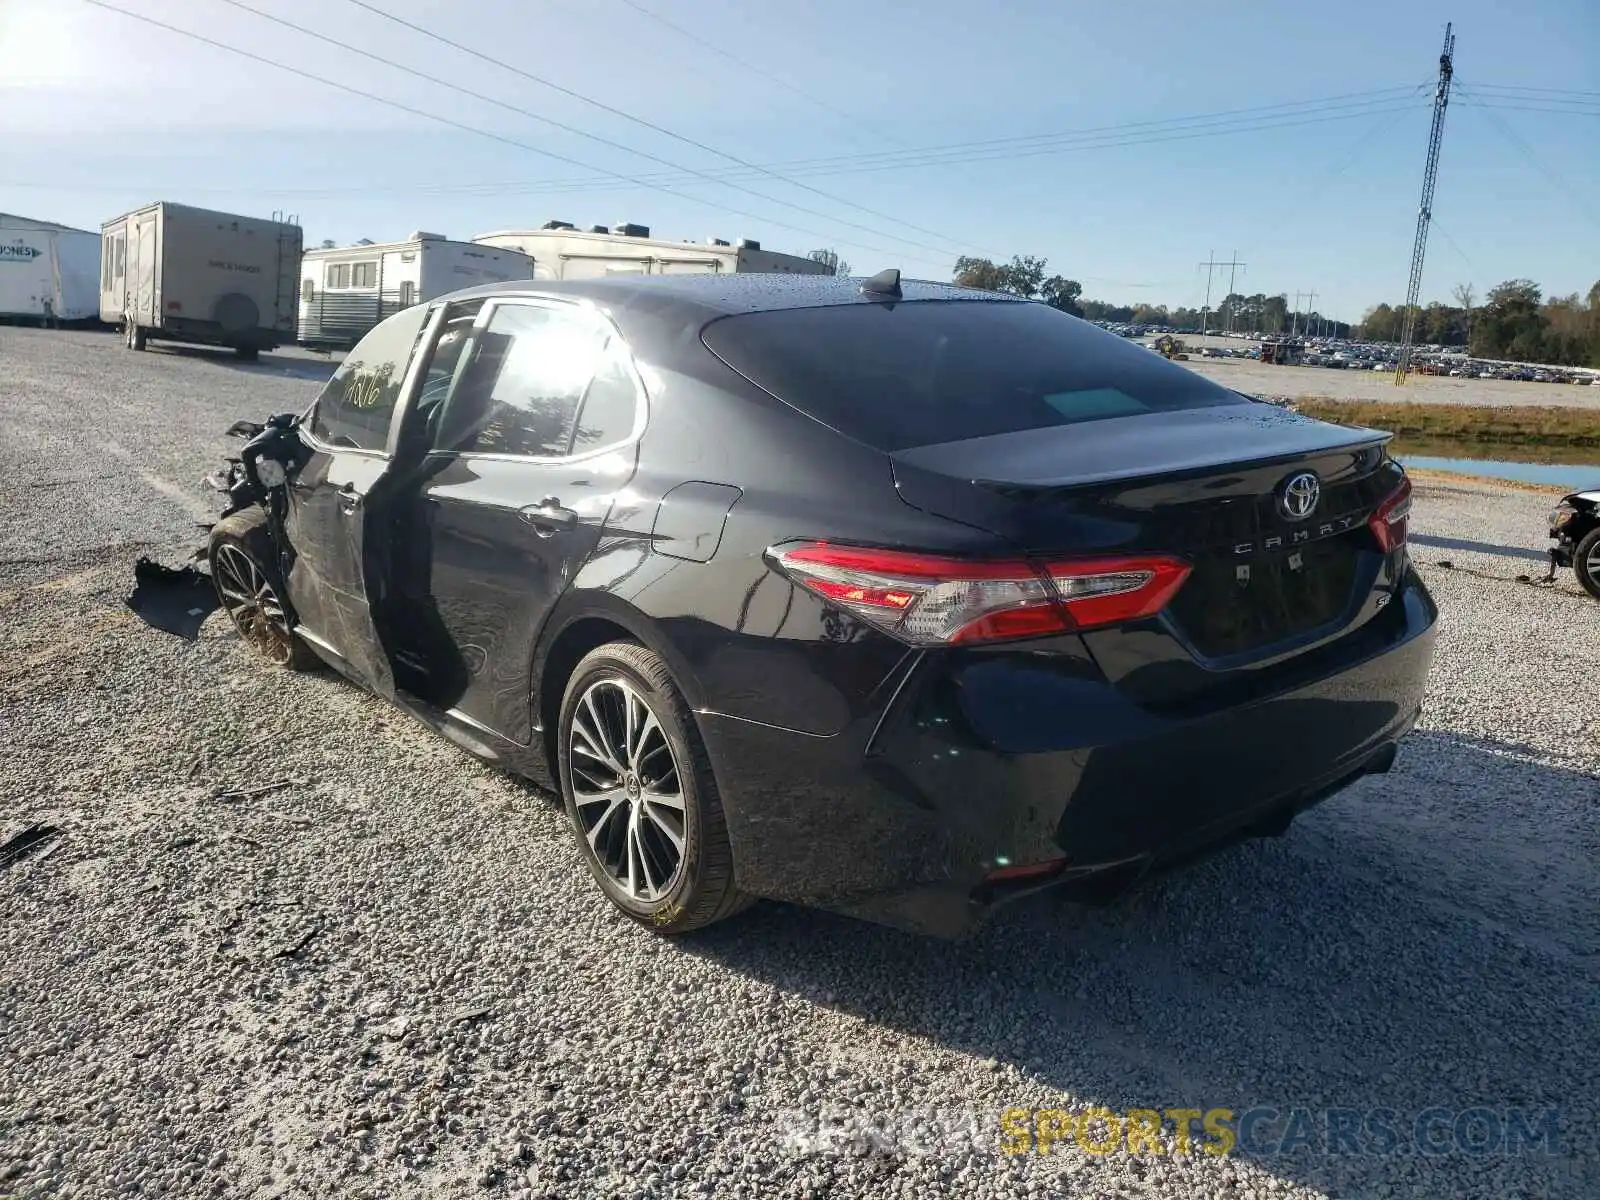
(1298, 499)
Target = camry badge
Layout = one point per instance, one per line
(1298, 499)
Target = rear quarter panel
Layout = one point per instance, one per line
(742, 640)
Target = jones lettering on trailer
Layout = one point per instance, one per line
(233, 266)
(19, 252)
(1298, 537)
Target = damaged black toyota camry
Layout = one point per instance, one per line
(897, 599)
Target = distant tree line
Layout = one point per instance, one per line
(831, 260)
(1515, 323)
(1023, 276)
(1027, 276)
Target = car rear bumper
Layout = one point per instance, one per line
(1006, 759)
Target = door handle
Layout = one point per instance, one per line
(548, 517)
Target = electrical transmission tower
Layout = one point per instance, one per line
(1311, 300)
(1211, 264)
(1430, 175)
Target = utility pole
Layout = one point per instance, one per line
(1233, 267)
(1311, 296)
(1430, 176)
(1210, 265)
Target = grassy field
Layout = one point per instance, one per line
(1501, 425)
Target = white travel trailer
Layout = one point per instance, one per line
(47, 271)
(560, 250)
(346, 290)
(179, 274)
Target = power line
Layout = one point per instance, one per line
(454, 124)
(1172, 129)
(841, 164)
(1521, 145)
(1454, 245)
(1371, 138)
(961, 168)
(1064, 143)
(1480, 86)
(769, 76)
(565, 128)
(1538, 108)
(643, 123)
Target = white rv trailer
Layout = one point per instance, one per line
(346, 290)
(179, 274)
(559, 250)
(48, 271)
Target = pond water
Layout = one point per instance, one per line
(1573, 468)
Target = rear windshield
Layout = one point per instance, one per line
(923, 372)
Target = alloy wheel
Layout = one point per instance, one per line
(252, 604)
(627, 790)
(1593, 561)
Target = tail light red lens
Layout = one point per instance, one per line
(1388, 523)
(933, 600)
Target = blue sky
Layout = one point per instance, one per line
(100, 113)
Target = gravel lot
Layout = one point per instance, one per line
(392, 978)
(1262, 380)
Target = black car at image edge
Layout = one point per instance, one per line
(897, 599)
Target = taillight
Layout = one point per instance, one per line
(1388, 523)
(932, 600)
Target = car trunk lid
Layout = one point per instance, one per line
(1205, 484)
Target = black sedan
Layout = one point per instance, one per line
(896, 599)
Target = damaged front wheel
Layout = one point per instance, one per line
(241, 557)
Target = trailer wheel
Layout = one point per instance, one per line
(135, 336)
(247, 353)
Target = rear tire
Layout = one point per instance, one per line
(640, 794)
(1586, 562)
(244, 571)
(247, 353)
(136, 336)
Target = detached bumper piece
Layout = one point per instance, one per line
(175, 600)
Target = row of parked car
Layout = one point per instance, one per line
(1381, 356)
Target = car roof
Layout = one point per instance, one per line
(709, 296)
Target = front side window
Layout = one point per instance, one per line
(338, 275)
(363, 274)
(355, 408)
(524, 380)
(443, 363)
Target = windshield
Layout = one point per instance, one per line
(918, 373)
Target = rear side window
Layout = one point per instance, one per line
(923, 372)
(355, 408)
(611, 404)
